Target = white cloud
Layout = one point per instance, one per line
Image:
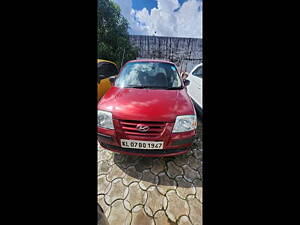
(125, 6)
(163, 20)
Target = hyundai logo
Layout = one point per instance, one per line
(142, 127)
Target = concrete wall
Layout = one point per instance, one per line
(185, 52)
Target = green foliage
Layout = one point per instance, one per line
(113, 37)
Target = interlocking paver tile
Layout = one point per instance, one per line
(155, 201)
(199, 194)
(189, 153)
(161, 218)
(119, 215)
(103, 185)
(104, 155)
(176, 206)
(144, 163)
(139, 217)
(198, 153)
(165, 183)
(198, 184)
(131, 175)
(115, 172)
(103, 167)
(158, 166)
(189, 173)
(116, 191)
(173, 169)
(200, 172)
(184, 220)
(148, 179)
(118, 158)
(184, 188)
(195, 210)
(136, 196)
(132, 160)
(181, 160)
(121, 160)
(194, 163)
(106, 208)
(127, 205)
(111, 162)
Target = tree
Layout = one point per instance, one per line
(113, 36)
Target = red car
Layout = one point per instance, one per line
(147, 111)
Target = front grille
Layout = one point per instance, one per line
(129, 127)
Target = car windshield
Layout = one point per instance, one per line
(152, 75)
(198, 72)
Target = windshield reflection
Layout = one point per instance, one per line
(151, 75)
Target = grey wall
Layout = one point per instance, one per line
(185, 52)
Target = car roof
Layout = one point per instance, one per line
(200, 64)
(195, 67)
(151, 60)
(102, 60)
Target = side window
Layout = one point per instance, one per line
(198, 72)
(107, 69)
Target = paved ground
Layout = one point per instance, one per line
(151, 191)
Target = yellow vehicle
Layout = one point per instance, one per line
(106, 69)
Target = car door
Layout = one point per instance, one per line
(195, 87)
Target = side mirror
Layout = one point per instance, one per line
(112, 79)
(184, 75)
(186, 82)
(101, 77)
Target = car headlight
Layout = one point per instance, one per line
(105, 120)
(185, 123)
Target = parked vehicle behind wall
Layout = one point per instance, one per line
(195, 89)
(106, 69)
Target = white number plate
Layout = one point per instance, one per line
(142, 144)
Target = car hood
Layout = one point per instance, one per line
(146, 104)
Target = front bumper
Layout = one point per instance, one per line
(145, 152)
(174, 144)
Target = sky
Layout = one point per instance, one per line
(175, 18)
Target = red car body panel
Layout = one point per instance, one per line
(147, 106)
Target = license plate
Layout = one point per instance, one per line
(142, 144)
